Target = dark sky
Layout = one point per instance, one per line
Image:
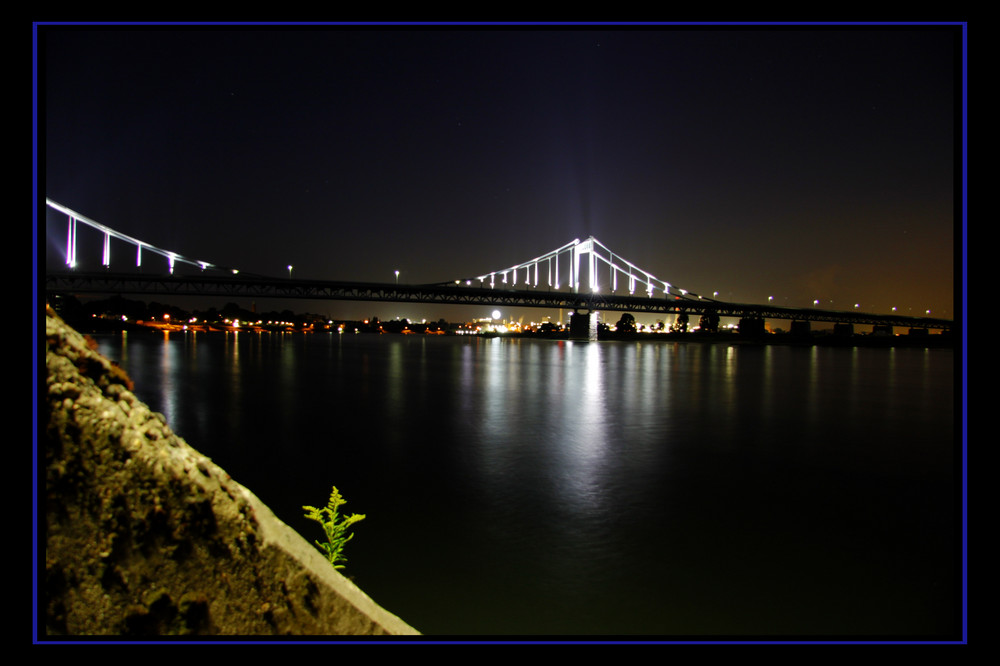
(800, 163)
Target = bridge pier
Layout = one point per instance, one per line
(751, 326)
(583, 324)
(800, 329)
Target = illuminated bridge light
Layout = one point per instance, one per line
(108, 232)
(71, 243)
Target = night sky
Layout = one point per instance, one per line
(802, 162)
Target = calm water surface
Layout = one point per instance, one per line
(543, 487)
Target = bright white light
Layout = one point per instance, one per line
(496, 314)
(71, 243)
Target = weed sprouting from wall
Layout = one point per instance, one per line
(334, 526)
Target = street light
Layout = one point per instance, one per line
(289, 271)
(397, 277)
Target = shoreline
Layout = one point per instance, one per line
(823, 339)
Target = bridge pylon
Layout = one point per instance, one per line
(583, 324)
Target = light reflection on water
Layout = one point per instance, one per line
(550, 487)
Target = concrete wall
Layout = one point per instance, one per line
(145, 536)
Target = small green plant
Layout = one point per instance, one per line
(334, 526)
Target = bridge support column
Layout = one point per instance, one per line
(583, 325)
(751, 326)
(800, 329)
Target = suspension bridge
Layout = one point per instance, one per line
(583, 276)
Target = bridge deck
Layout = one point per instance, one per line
(250, 286)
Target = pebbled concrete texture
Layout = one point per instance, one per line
(145, 536)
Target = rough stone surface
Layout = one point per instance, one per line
(145, 536)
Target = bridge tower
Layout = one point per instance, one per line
(583, 321)
(584, 248)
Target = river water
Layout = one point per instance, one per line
(557, 488)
